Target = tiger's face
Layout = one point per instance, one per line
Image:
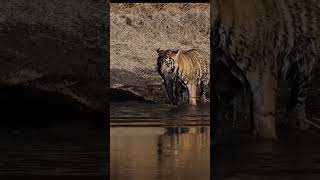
(166, 63)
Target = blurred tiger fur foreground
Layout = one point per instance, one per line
(184, 71)
(262, 42)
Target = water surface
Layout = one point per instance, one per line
(158, 141)
(294, 156)
(64, 149)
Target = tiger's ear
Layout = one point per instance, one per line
(177, 53)
(158, 50)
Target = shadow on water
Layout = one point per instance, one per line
(131, 113)
(159, 141)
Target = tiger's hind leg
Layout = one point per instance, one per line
(298, 113)
(203, 91)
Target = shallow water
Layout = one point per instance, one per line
(155, 142)
(64, 149)
(294, 156)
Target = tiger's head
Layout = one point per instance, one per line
(166, 62)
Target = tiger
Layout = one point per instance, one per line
(263, 42)
(187, 70)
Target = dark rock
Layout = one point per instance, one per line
(119, 95)
(22, 105)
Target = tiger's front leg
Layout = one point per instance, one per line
(179, 92)
(264, 104)
(192, 92)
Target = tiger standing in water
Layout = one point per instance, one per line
(184, 70)
(263, 41)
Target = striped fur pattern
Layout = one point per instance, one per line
(263, 41)
(188, 68)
